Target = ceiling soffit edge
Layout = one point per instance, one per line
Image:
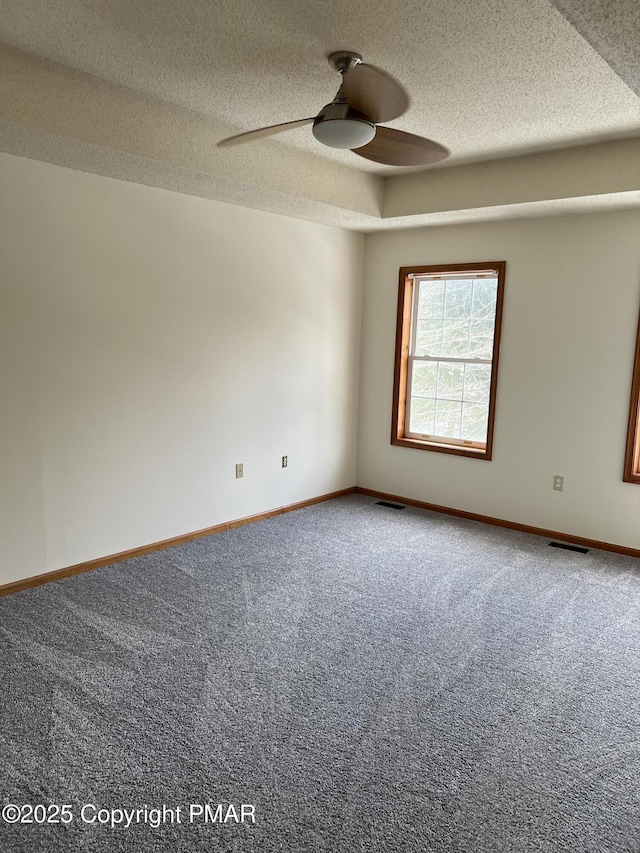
(582, 171)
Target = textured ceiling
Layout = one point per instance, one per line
(487, 78)
(612, 27)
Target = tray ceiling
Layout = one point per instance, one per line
(490, 80)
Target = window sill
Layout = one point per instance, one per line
(438, 447)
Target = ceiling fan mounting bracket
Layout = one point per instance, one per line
(344, 60)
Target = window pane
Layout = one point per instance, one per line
(455, 338)
(450, 381)
(481, 338)
(431, 300)
(457, 302)
(448, 419)
(477, 383)
(422, 415)
(484, 298)
(429, 337)
(424, 378)
(474, 421)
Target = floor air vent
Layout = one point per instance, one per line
(390, 505)
(566, 547)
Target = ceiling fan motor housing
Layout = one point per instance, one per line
(339, 126)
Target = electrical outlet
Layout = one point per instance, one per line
(239, 470)
(284, 462)
(558, 482)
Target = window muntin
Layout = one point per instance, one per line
(446, 357)
(632, 455)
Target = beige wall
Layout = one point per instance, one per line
(571, 308)
(148, 342)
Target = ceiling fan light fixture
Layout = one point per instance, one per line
(348, 132)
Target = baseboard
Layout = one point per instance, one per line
(501, 522)
(79, 568)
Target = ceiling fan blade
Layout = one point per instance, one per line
(397, 148)
(250, 135)
(374, 93)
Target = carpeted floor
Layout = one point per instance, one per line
(368, 679)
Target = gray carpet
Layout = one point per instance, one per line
(369, 679)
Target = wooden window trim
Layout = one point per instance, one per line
(403, 330)
(632, 454)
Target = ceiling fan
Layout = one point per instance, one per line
(367, 97)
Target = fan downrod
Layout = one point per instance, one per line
(344, 60)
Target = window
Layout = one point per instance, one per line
(447, 342)
(632, 456)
